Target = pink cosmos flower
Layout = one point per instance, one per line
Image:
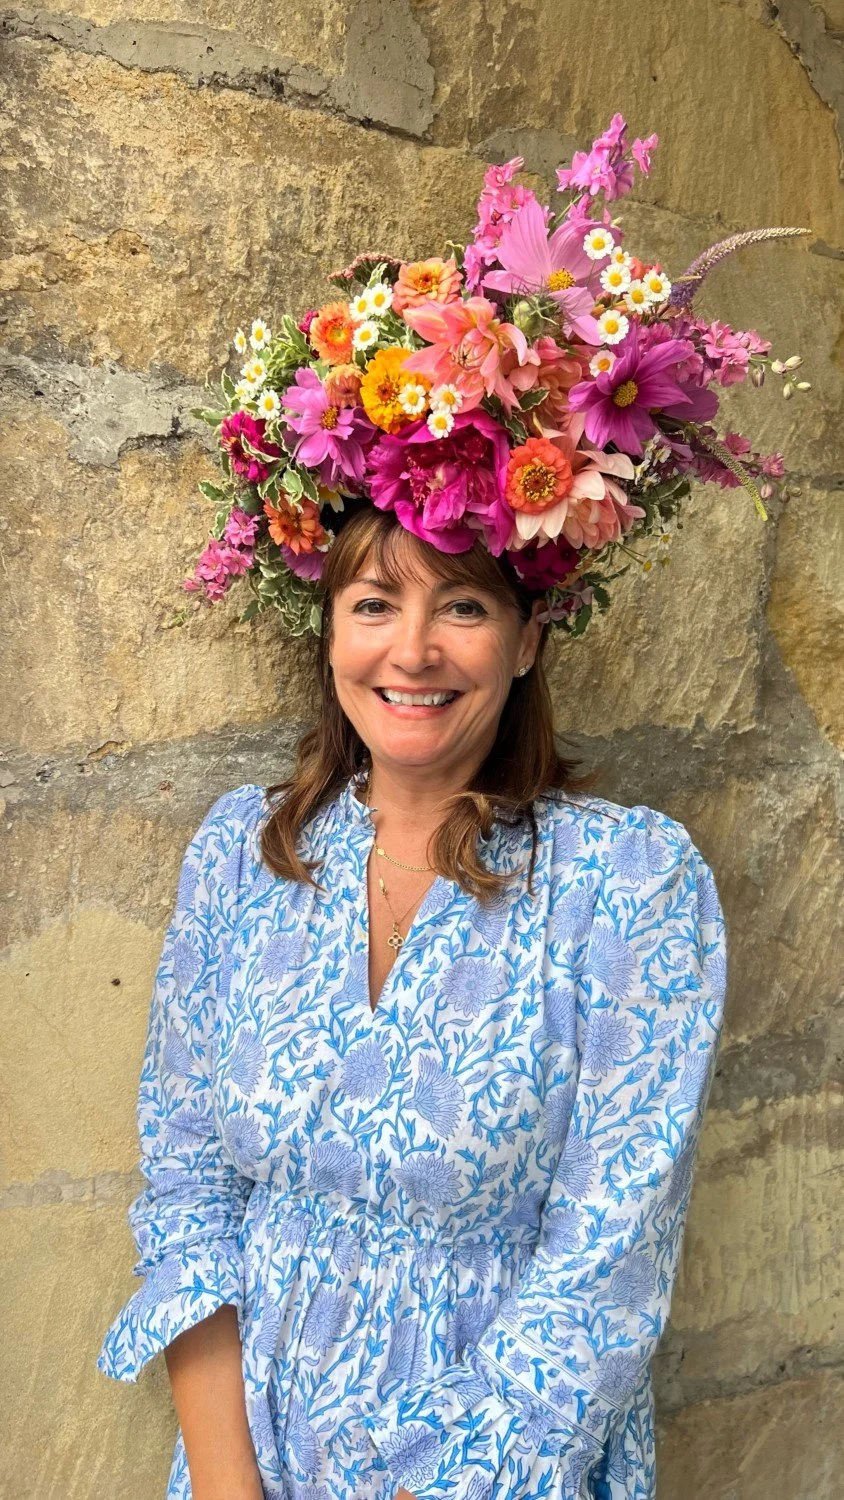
(304, 564)
(446, 490)
(558, 266)
(467, 345)
(239, 434)
(618, 404)
(332, 439)
(501, 199)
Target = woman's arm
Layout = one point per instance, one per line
(206, 1377)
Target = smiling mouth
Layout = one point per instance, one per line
(431, 699)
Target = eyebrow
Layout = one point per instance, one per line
(394, 588)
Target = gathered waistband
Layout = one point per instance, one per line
(324, 1214)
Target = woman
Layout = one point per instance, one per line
(429, 1048)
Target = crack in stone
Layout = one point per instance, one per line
(819, 50)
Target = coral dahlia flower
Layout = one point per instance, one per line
(331, 331)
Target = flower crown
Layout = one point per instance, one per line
(540, 388)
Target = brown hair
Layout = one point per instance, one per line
(522, 764)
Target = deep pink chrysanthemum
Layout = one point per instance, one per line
(618, 405)
(446, 490)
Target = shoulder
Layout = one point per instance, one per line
(639, 836)
(226, 845)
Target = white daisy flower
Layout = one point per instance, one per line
(637, 299)
(615, 279)
(598, 243)
(359, 307)
(413, 399)
(620, 257)
(244, 391)
(440, 422)
(240, 342)
(380, 298)
(602, 362)
(657, 286)
(255, 372)
(269, 404)
(365, 335)
(613, 326)
(445, 397)
(260, 335)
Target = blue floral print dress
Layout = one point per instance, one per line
(450, 1227)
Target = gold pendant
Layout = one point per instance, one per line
(395, 939)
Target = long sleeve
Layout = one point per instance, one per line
(549, 1380)
(186, 1222)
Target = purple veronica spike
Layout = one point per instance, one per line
(686, 287)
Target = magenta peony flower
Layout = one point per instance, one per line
(541, 567)
(446, 490)
(331, 439)
(618, 405)
(240, 430)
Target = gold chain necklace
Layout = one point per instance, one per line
(395, 940)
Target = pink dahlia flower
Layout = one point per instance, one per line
(250, 452)
(446, 490)
(618, 404)
(557, 265)
(468, 343)
(332, 439)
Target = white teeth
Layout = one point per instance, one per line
(427, 699)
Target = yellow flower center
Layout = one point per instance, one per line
(329, 417)
(560, 281)
(626, 393)
(538, 482)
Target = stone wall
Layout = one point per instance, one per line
(170, 171)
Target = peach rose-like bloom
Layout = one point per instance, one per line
(342, 385)
(296, 527)
(433, 280)
(331, 333)
(468, 343)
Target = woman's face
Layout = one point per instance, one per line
(425, 638)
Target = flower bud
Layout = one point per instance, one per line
(794, 363)
(777, 366)
(804, 385)
(788, 391)
(527, 318)
(757, 376)
(766, 491)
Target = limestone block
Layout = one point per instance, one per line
(774, 843)
(806, 606)
(69, 1433)
(762, 1254)
(786, 1438)
(147, 220)
(678, 645)
(98, 557)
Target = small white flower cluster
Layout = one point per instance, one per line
(366, 309)
(637, 295)
(444, 402)
(786, 367)
(254, 372)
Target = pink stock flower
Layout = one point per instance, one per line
(641, 152)
(607, 168)
(500, 201)
(332, 439)
(446, 490)
(736, 444)
(619, 403)
(774, 466)
(557, 266)
(467, 345)
(238, 434)
(217, 568)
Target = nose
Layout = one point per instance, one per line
(413, 644)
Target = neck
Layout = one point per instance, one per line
(412, 800)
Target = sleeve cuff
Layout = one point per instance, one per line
(182, 1289)
(474, 1430)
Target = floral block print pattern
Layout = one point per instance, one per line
(450, 1227)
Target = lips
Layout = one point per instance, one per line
(418, 705)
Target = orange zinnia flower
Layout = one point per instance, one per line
(381, 385)
(538, 476)
(296, 527)
(331, 333)
(433, 280)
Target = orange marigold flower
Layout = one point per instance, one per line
(381, 385)
(342, 385)
(296, 527)
(331, 333)
(538, 476)
(433, 280)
